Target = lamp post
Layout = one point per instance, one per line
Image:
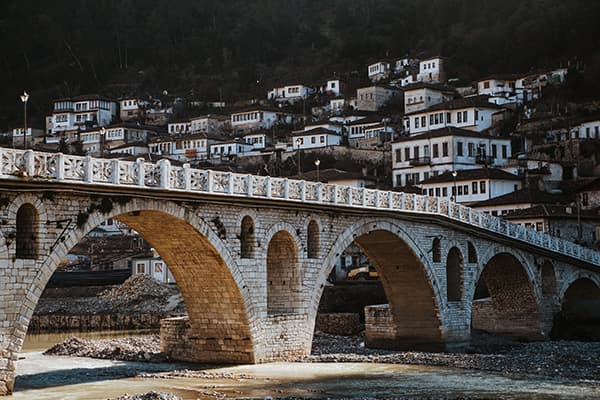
(317, 163)
(102, 140)
(298, 143)
(24, 98)
(455, 193)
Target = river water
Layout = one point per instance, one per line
(48, 377)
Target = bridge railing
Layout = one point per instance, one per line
(27, 164)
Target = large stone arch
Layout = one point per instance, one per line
(513, 306)
(222, 314)
(408, 278)
(578, 316)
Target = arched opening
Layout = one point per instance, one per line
(282, 274)
(247, 238)
(454, 275)
(436, 250)
(471, 253)
(313, 239)
(579, 317)
(217, 327)
(410, 318)
(27, 232)
(548, 280)
(505, 301)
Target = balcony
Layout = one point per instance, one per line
(484, 160)
(415, 162)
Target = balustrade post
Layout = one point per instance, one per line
(187, 177)
(89, 169)
(349, 200)
(250, 182)
(286, 188)
(165, 173)
(209, 181)
(319, 192)
(303, 191)
(335, 194)
(230, 188)
(1, 160)
(141, 172)
(116, 171)
(377, 198)
(403, 201)
(268, 187)
(29, 163)
(390, 204)
(414, 206)
(60, 166)
(364, 197)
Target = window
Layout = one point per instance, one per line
(465, 117)
(406, 153)
(445, 192)
(459, 149)
(437, 192)
(486, 84)
(482, 187)
(398, 155)
(494, 151)
(436, 152)
(425, 176)
(423, 121)
(460, 190)
(471, 149)
(416, 122)
(448, 118)
(504, 151)
(416, 152)
(445, 149)
(466, 189)
(426, 151)
(431, 192)
(140, 268)
(459, 117)
(430, 119)
(313, 140)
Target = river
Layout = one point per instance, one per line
(49, 377)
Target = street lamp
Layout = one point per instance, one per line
(317, 163)
(455, 193)
(24, 98)
(298, 143)
(102, 140)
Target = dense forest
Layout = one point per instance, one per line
(206, 49)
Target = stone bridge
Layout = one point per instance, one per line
(251, 254)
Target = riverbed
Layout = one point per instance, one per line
(53, 377)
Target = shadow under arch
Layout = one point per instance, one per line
(505, 301)
(220, 310)
(579, 315)
(408, 281)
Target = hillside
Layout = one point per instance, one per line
(211, 49)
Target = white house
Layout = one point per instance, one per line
(228, 148)
(356, 129)
(378, 71)
(405, 64)
(420, 157)
(589, 129)
(210, 123)
(315, 138)
(337, 104)
(290, 93)
(31, 135)
(82, 112)
(497, 85)
(472, 185)
(330, 125)
(432, 70)
(179, 127)
(132, 149)
(520, 199)
(258, 140)
(154, 267)
(472, 113)
(258, 118)
(422, 95)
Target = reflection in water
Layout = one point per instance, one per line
(48, 378)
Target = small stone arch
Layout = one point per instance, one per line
(247, 237)
(471, 253)
(548, 279)
(436, 250)
(454, 275)
(313, 239)
(27, 232)
(579, 315)
(283, 280)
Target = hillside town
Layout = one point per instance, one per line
(497, 144)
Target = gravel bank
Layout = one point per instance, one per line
(573, 360)
(149, 396)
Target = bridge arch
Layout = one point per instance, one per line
(579, 314)
(283, 278)
(408, 279)
(29, 214)
(221, 311)
(511, 306)
(247, 236)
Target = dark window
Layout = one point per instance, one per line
(445, 149)
(482, 187)
(398, 155)
(459, 149)
(436, 152)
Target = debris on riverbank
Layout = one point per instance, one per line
(556, 359)
(149, 396)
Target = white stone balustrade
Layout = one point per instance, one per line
(57, 167)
